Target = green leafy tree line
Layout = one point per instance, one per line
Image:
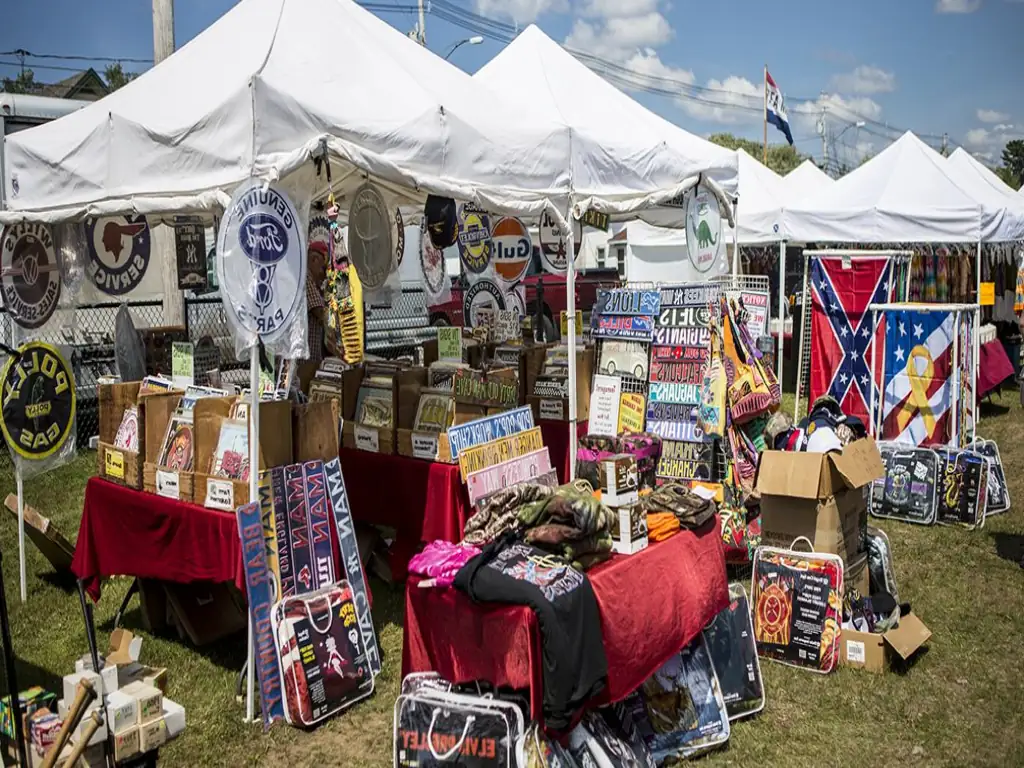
(782, 158)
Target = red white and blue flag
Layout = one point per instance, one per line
(775, 107)
(918, 377)
(841, 335)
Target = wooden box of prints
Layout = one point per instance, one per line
(370, 404)
(122, 435)
(222, 447)
(170, 447)
(316, 431)
(424, 415)
(548, 401)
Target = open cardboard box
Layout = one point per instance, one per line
(818, 495)
(275, 448)
(548, 409)
(431, 446)
(316, 430)
(173, 484)
(876, 653)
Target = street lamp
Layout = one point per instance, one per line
(475, 40)
(858, 124)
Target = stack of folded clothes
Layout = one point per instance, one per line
(500, 513)
(678, 500)
(570, 523)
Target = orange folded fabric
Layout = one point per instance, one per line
(661, 525)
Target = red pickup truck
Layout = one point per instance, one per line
(555, 299)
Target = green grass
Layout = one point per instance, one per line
(958, 704)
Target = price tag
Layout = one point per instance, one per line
(220, 494)
(167, 484)
(367, 439)
(855, 652)
(114, 462)
(424, 445)
(552, 410)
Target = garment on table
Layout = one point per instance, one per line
(661, 525)
(574, 666)
(500, 513)
(677, 499)
(570, 523)
(441, 560)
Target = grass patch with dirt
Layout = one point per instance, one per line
(958, 704)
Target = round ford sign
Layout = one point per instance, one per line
(261, 261)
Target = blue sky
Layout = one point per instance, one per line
(933, 66)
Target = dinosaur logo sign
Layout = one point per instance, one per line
(703, 229)
(119, 250)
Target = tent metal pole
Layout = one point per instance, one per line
(570, 303)
(782, 313)
(976, 351)
(254, 464)
(22, 573)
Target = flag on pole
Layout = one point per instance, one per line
(918, 377)
(775, 108)
(841, 334)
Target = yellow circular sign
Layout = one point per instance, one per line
(37, 408)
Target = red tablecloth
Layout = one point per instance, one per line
(994, 367)
(652, 604)
(422, 500)
(131, 533)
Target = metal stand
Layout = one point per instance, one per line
(132, 590)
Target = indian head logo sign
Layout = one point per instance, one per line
(119, 251)
(261, 261)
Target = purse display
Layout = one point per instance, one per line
(908, 490)
(998, 490)
(963, 489)
(322, 658)
(730, 641)
(435, 728)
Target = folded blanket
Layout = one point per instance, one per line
(500, 513)
(690, 509)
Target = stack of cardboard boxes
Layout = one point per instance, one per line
(620, 492)
(824, 497)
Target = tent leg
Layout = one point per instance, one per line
(22, 573)
(570, 299)
(782, 313)
(254, 463)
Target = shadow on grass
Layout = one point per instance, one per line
(1009, 546)
(992, 410)
(61, 580)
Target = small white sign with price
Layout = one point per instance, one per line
(552, 410)
(167, 484)
(367, 439)
(424, 445)
(220, 494)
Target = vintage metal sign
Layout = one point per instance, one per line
(674, 430)
(682, 337)
(38, 401)
(30, 278)
(689, 295)
(686, 461)
(675, 393)
(684, 317)
(556, 387)
(474, 388)
(678, 372)
(508, 473)
(635, 327)
(119, 251)
(691, 354)
(487, 455)
(671, 412)
(190, 248)
(625, 302)
(489, 428)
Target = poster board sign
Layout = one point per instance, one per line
(631, 412)
(449, 344)
(604, 405)
(182, 364)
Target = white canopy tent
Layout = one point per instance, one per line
(992, 192)
(964, 158)
(805, 180)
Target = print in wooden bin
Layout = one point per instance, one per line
(113, 462)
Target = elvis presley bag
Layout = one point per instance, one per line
(963, 489)
(433, 728)
(998, 490)
(730, 640)
(323, 661)
(908, 490)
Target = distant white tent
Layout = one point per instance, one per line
(805, 180)
(963, 158)
(1003, 209)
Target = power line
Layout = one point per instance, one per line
(29, 55)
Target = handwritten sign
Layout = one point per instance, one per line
(167, 484)
(631, 412)
(604, 405)
(182, 364)
(424, 445)
(220, 494)
(367, 439)
(506, 325)
(551, 410)
(449, 344)
(489, 454)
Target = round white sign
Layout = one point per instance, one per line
(553, 246)
(511, 249)
(30, 275)
(261, 261)
(703, 229)
(481, 303)
(370, 239)
(119, 250)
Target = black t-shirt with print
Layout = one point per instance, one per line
(574, 664)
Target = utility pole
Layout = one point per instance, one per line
(823, 132)
(945, 145)
(423, 26)
(162, 236)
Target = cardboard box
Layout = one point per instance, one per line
(122, 711)
(876, 653)
(316, 431)
(152, 676)
(430, 446)
(126, 744)
(174, 718)
(152, 735)
(820, 496)
(150, 701)
(620, 484)
(548, 409)
(43, 727)
(629, 530)
(119, 465)
(71, 684)
(275, 449)
(373, 439)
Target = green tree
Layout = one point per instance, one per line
(116, 77)
(1013, 159)
(782, 158)
(25, 82)
(1009, 177)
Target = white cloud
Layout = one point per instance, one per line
(992, 116)
(728, 94)
(617, 8)
(988, 143)
(520, 11)
(977, 137)
(848, 110)
(957, 6)
(1003, 127)
(865, 79)
(619, 37)
(865, 148)
(647, 62)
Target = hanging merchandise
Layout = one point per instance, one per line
(711, 412)
(30, 274)
(441, 219)
(343, 294)
(190, 249)
(261, 269)
(998, 490)
(119, 253)
(797, 602)
(963, 488)
(481, 303)
(704, 243)
(37, 407)
(323, 661)
(370, 237)
(553, 245)
(680, 710)
(730, 639)
(435, 270)
(474, 239)
(511, 249)
(909, 489)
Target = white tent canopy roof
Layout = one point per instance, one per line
(1003, 210)
(762, 197)
(546, 80)
(964, 158)
(255, 95)
(903, 194)
(805, 180)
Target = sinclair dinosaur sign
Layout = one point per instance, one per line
(704, 241)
